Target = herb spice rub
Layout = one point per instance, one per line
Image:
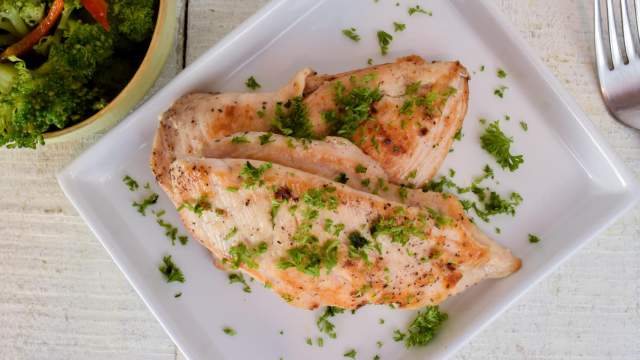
(311, 250)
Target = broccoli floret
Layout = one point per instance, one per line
(18, 17)
(133, 19)
(58, 92)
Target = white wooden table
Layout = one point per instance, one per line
(61, 296)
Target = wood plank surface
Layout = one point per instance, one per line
(62, 297)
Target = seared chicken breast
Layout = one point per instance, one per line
(403, 115)
(317, 242)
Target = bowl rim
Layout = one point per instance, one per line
(138, 77)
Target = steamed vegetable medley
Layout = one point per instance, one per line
(64, 60)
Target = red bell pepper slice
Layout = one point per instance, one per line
(26, 43)
(98, 10)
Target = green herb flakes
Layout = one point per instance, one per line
(198, 207)
(231, 233)
(423, 328)
(309, 341)
(350, 354)
(239, 278)
(352, 109)
(534, 239)
(292, 119)
(524, 126)
(496, 143)
(130, 182)
(252, 84)
(266, 138)
(418, 10)
(177, 295)
(341, 178)
(499, 91)
(229, 331)
(360, 169)
(369, 61)
(170, 270)
(323, 323)
(458, 135)
(384, 40)
(242, 254)
(501, 73)
(398, 27)
(351, 34)
(242, 139)
(252, 175)
(145, 203)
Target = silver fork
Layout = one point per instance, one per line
(620, 81)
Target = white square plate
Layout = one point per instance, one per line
(573, 185)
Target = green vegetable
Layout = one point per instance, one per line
(242, 139)
(130, 182)
(351, 34)
(229, 331)
(239, 278)
(292, 119)
(145, 203)
(252, 84)
(499, 91)
(458, 135)
(350, 354)
(309, 258)
(171, 231)
(326, 326)
(352, 109)
(397, 27)
(496, 143)
(252, 175)
(501, 74)
(201, 204)
(170, 270)
(384, 40)
(423, 328)
(17, 18)
(418, 10)
(398, 230)
(242, 254)
(534, 239)
(133, 20)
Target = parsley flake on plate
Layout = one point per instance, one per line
(326, 326)
(499, 91)
(501, 73)
(252, 84)
(350, 354)
(170, 270)
(498, 144)
(534, 239)
(352, 34)
(239, 278)
(423, 328)
(418, 10)
(524, 126)
(145, 203)
(229, 331)
(384, 40)
(130, 182)
(397, 27)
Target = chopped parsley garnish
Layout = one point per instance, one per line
(265, 138)
(350, 354)
(130, 182)
(534, 239)
(239, 278)
(351, 34)
(177, 295)
(321, 198)
(496, 143)
(252, 175)
(407, 108)
(232, 189)
(241, 254)
(418, 10)
(145, 203)
(275, 207)
(309, 341)
(365, 182)
(261, 113)
(170, 270)
(320, 341)
(361, 169)
(524, 126)
(499, 91)
(376, 357)
(501, 73)
(252, 84)
(369, 61)
(380, 321)
(399, 231)
(323, 323)
(358, 246)
(342, 178)
(292, 119)
(231, 233)
(403, 193)
(202, 204)
(171, 231)
(423, 328)
(397, 27)
(352, 109)
(412, 174)
(384, 40)
(379, 344)
(458, 135)
(311, 257)
(440, 219)
(229, 331)
(482, 67)
(239, 140)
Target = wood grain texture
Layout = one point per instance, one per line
(62, 297)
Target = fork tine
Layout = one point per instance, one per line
(616, 58)
(626, 32)
(601, 60)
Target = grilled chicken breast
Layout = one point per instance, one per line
(318, 242)
(408, 129)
